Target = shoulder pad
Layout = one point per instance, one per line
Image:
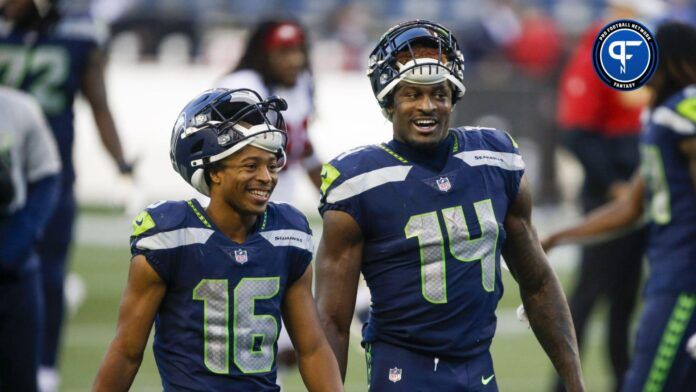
(284, 215)
(487, 138)
(360, 162)
(169, 225)
(361, 170)
(363, 158)
(489, 147)
(687, 108)
(160, 216)
(287, 226)
(678, 113)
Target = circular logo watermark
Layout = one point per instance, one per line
(625, 54)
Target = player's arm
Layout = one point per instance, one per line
(541, 292)
(317, 362)
(612, 218)
(94, 89)
(688, 148)
(141, 299)
(338, 272)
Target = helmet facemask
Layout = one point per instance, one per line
(396, 59)
(230, 122)
(240, 118)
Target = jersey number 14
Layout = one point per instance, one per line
(426, 227)
(253, 335)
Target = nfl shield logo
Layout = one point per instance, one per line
(240, 256)
(395, 375)
(443, 184)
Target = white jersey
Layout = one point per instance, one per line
(300, 107)
(27, 143)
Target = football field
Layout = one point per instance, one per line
(520, 363)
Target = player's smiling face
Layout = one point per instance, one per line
(420, 115)
(246, 180)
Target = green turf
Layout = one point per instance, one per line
(519, 361)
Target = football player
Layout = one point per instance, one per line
(276, 62)
(426, 217)
(666, 190)
(217, 280)
(53, 59)
(29, 156)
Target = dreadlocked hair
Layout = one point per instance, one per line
(677, 60)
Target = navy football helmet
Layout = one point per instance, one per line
(220, 122)
(385, 71)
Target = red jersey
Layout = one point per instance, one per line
(585, 102)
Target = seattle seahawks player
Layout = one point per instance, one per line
(666, 190)
(31, 167)
(426, 217)
(216, 281)
(53, 59)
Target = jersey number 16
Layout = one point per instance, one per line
(253, 335)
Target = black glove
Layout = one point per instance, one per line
(125, 168)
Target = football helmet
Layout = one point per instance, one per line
(220, 122)
(385, 71)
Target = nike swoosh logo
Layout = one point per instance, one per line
(485, 381)
(139, 221)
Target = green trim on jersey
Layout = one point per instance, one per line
(389, 151)
(512, 139)
(198, 214)
(265, 220)
(142, 223)
(670, 343)
(329, 174)
(687, 108)
(455, 144)
(368, 363)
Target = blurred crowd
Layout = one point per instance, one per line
(483, 25)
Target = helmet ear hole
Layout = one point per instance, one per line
(197, 147)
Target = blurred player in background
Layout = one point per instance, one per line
(53, 59)
(601, 128)
(426, 218)
(666, 190)
(30, 174)
(276, 62)
(216, 281)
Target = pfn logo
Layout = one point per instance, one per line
(625, 54)
(621, 55)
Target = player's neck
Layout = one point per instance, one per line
(434, 157)
(229, 221)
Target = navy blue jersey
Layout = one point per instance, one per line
(671, 199)
(432, 238)
(218, 323)
(50, 66)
